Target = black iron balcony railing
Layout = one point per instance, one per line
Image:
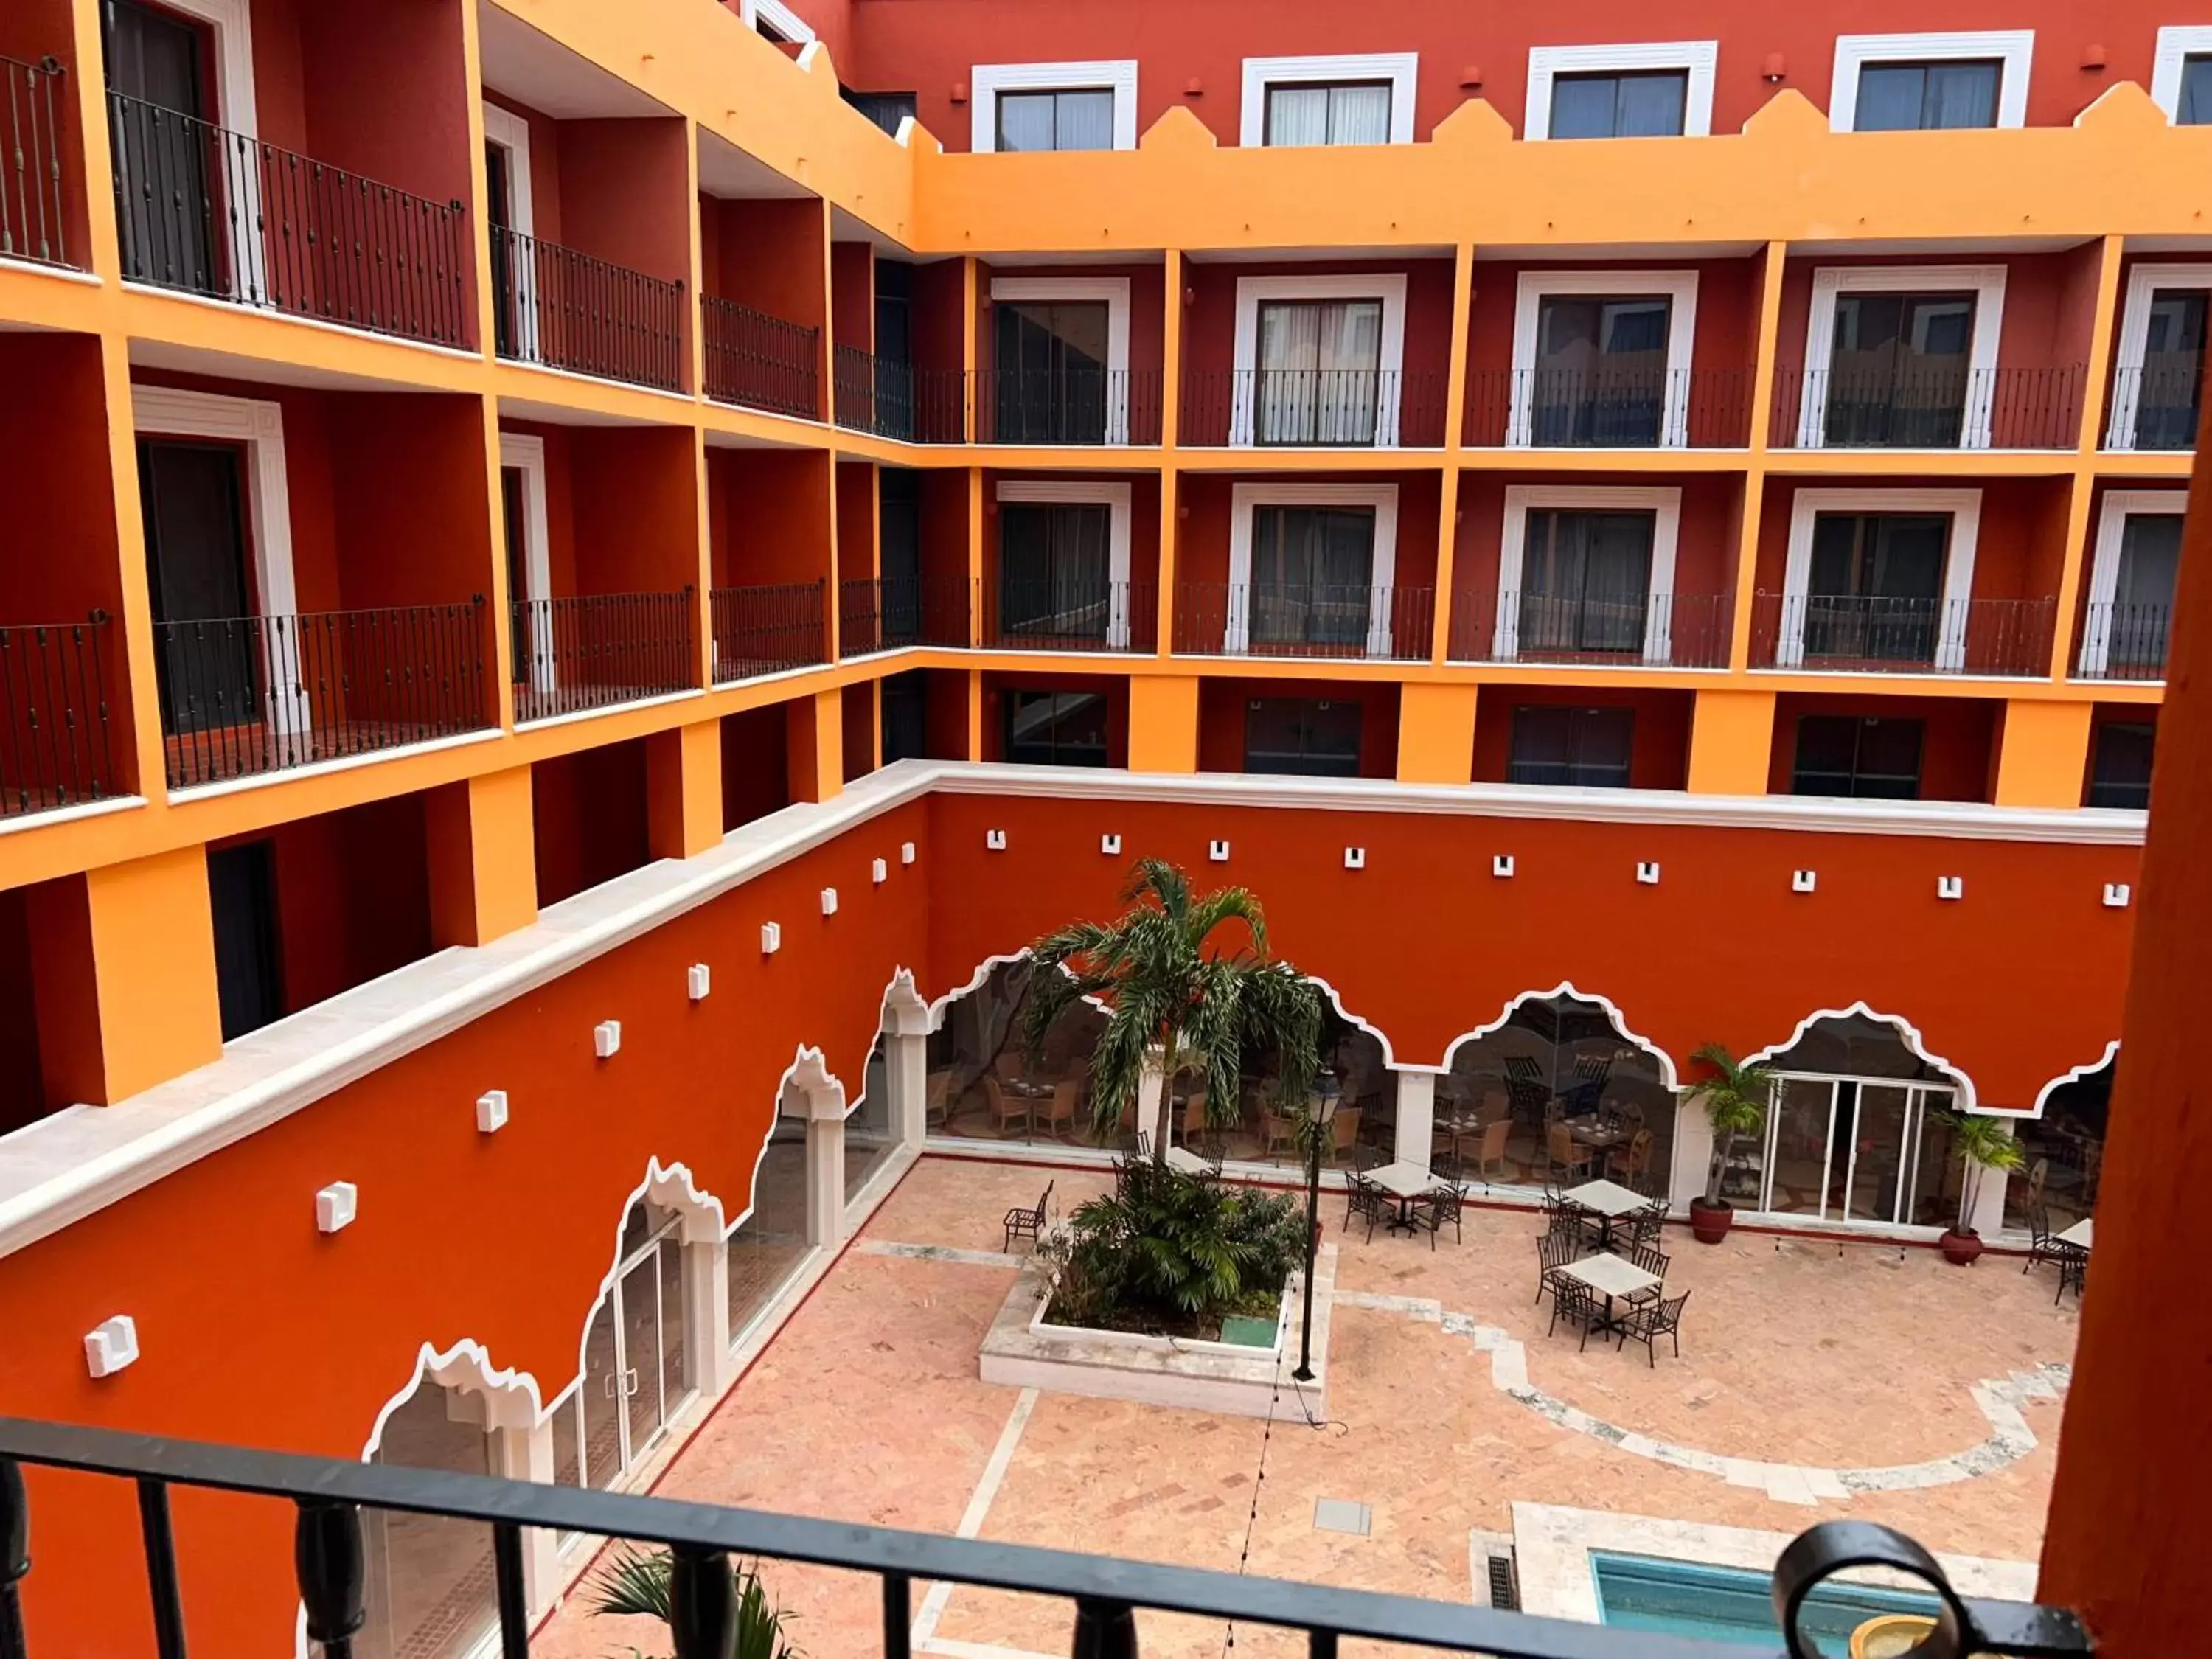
(31, 223)
(1313, 408)
(1928, 409)
(1850, 633)
(2123, 642)
(895, 399)
(761, 361)
(1071, 616)
(1673, 630)
(54, 736)
(1609, 408)
(1079, 406)
(241, 695)
(595, 650)
(2155, 408)
(222, 214)
(1264, 619)
(554, 307)
(767, 629)
(886, 613)
(331, 1566)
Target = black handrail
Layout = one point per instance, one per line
(1331, 620)
(595, 650)
(330, 1566)
(223, 214)
(1313, 408)
(1085, 406)
(54, 740)
(2155, 407)
(563, 309)
(1068, 614)
(2123, 642)
(885, 613)
(245, 695)
(1927, 408)
(761, 361)
(1675, 630)
(1851, 633)
(894, 400)
(32, 222)
(767, 629)
(1609, 408)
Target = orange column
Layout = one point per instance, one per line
(2043, 753)
(483, 869)
(684, 789)
(2125, 1539)
(124, 960)
(1436, 733)
(1163, 723)
(1731, 740)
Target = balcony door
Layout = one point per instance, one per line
(1599, 377)
(2128, 638)
(1055, 570)
(248, 968)
(1051, 371)
(167, 157)
(1899, 371)
(1319, 372)
(2171, 379)
(1875, 591)
(633, 1352)
(1585, 584)
(1313, 580)
(207, 663)
(1858, 1151)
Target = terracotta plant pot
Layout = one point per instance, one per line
(1710, 1222)
(1962, 1250)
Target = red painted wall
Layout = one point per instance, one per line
(1660, 758)
(856, 521)
(588, 818)
(635, 503)
(754, 765)
(852, 294)
(769, 255)
(768, 513)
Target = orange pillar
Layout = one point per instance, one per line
(2043, 753)
(1731, 740)
(123, 961)
(483, 865)
(684, 789)
(1163, 723)
(2128, 1529)
(1435, 733)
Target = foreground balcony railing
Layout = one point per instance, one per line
(222, 214)
(31, 223)
(1072, 616)
(54, 738)
(769, 630)
(1261, 619)
(885, 613)
(895, 399)
(1850, 635)
(761, 361)
(2155, 408)
(330, 1568)
(1933, 408)
(241, 695)
(1079, 406)
(1313, 408)
(596, 650)
(1675, 630)
(2123, 642)
(1609, 408)
(562, 309)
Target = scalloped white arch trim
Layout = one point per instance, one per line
(1566, 988)
(2043, 1095)
(1913, 1041)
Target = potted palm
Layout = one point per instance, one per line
(642, 1584)
(1980, 1144)
(1189, 976)
(1736, 1098)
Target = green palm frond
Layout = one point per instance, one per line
(637, 1582)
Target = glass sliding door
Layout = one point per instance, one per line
(1898, 372)
(1585, 586)
(1319, 374)
(1599, 376)
(1859, 1151)
(1312, 586)
(1051, 371)
(1875, 592)
(1055, 573)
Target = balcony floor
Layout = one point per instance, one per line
(1798, 1356)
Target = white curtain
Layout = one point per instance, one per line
(1319, 366)
(1359, 115)
(1328, 115)
(1298, 115)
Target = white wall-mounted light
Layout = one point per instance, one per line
(771, 937)
(111, 1345)
(1647, 872)
(698, 980)
(1217, 851)
(1802, 881)
(606, 1038)
(1109, 845)
(2115, 895)
(1950, 887)
(491, 1111)
(1501, 864)
(995, 839)
(906, 852)
(879, 871)
(1355, 858)
(829, 901)
(335, 1205)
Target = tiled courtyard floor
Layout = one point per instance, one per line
(867, 1408)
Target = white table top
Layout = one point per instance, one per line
(1611, 1275)
(2079, 1233)
(1182, 1158)
(1608, 1197)
(1406, 1180)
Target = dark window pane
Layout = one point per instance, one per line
(1056, 728)
(885, 109)
(1910, 97)
(1844, 755)
(242, 901)
(2119, 774)
(2195, 108)
(1080, 119)
(1581, 106)
(1646, 104)
(1350, 112)
(1303, 737)
(1586, 747)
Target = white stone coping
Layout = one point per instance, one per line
(69, 1164)
(1106, 1341)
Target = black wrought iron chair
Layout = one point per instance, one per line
(1647, 1321)
(1365, 1201)
(1554, 1252)
(1653, 1261)
(1028, 1223)
(1439, 1206)
(1578, 1305)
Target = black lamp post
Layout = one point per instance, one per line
(1317, 1131)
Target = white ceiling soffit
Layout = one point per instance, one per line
(536, 70)
(729, 172)
(199, 360)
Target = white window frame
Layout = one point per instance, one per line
(2144, 283)
(1086, 492)
(1400, 69)
(526, 453)
(1987, 283)
(1663, 503)
(1243, 498)
(2119, 506)
(1699, 58)
(788, 24)
(1114, 291)
(1965, 507)
(231, 22)
(987, 81)
(1387, 286)
(1678, 287)
(511, 133)
(2014, 49)
(2177, 44)
(167, 412)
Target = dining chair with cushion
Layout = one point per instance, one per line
(1491, 1152)
(1344, 1131)
(1005, 1109)
(1277, 1132)
(1056, 1111)
(937, 1101)
(1626, 1163)
(1565, 1153)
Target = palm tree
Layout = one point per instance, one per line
(1980, 1144)
(1166, 984)
(1736, 1104)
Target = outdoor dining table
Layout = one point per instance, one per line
(2079, 1233)
(1611, 1276)
(1608, 1200)
(1405, 1182)
(1182, 1158)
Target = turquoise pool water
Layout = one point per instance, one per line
(1728, 1604)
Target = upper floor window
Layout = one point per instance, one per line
(1352, 98)
(1903, 356)
(2181, 74)
(2135, 564)
(2158, 372)
(1915, 83)
(1646, 89)
(1054, 106)
(2195, 109)
(888, 110)
(1602, 358)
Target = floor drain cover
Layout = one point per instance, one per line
(1342, 1515)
